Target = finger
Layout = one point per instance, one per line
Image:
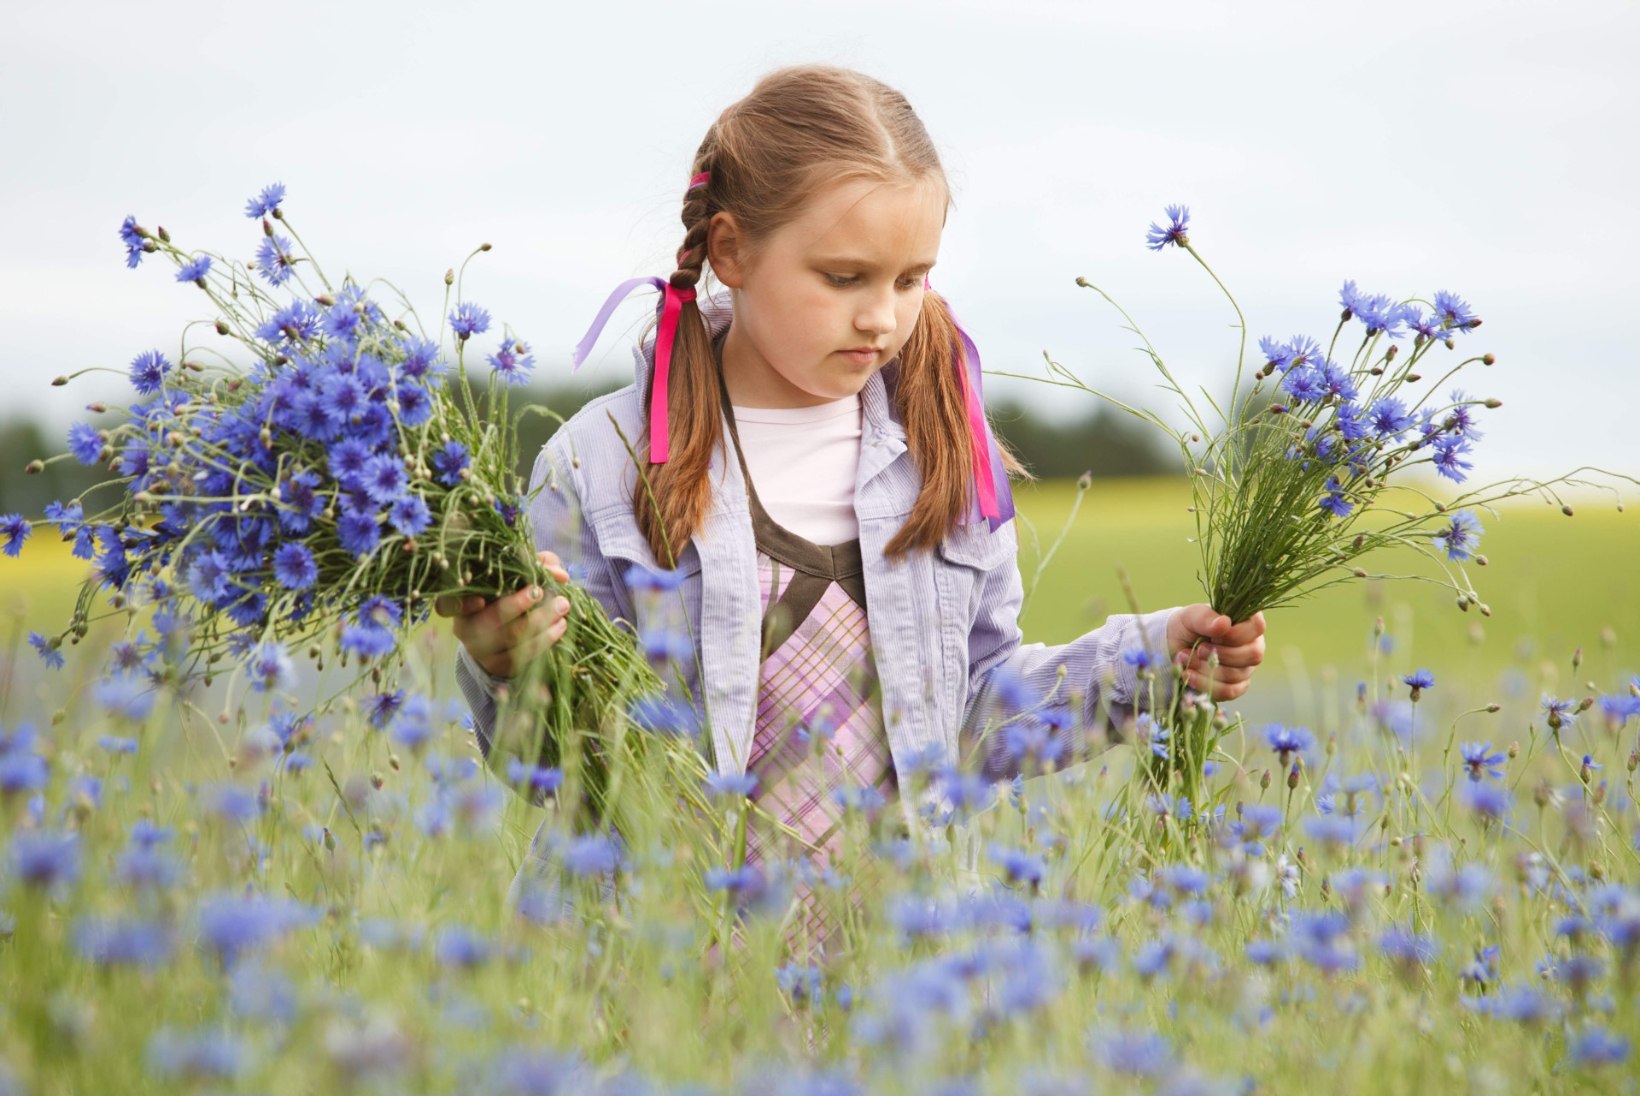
(553, 564)
(504, 610)
(1245, 632)
(1250, 654)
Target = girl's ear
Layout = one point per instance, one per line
(725, 247)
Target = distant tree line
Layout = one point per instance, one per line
(1104, 441)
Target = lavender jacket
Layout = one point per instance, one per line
(944, 624)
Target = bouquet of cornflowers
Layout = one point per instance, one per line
(324, 497)
(1289, 474)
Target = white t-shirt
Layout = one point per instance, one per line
(803, 462)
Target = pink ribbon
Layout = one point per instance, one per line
(993, 498)
(660, 449)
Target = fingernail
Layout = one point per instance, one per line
(561, 604)
(535, 593)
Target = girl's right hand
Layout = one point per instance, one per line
(504, 635)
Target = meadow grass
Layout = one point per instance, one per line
(327, 912)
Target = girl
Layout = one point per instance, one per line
(821, 481)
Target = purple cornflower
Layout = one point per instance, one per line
(449, 462)
(344, 397)
(1448, 459)
(148, 371)
(270, 668)
(358, 533)
(1334, 501)
(731, 785)
(1278, 355)
(1558, 712)
(1598, 1047)
(293, 566)
(16, 529)
(1460, 417)
(521, 774)
(468, 320)
(1337, 381)
(48, 650)
(85, 442)
(1418, 680)
(1454, 311)
(131, 237)
(1287, 741)
(1461, 536)
(1478, 761)
(384, 478)
(194, 270)
(123, 941)
(274, 260)
(592, 854)
(420, 358)
(409, 515)
(266, 202)
(1019, 867)
(1136, 1053)
(1388, 418)
(126, 696)
(44, 859)
(1304, 384)
(639, 577)
(513, 361)
(1158, 237)
(1489, 801)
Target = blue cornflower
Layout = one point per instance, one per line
(44, 859)
(468, 320)
(1460, 417)
(359, 533)
(123, 941)
(344, 396)
(513, 361)
(1140, 658)
(1598, 1047)
(15, 529)
(461, 947)
(231, 925)
(1559, 712)
(127, 696)
(293, 566)
(135, 245)
(1334, 501)
(731, 785)
(415, 406)
(409, 515)
(270, 668)
(421, 358)
(1337, 382)
(1018, 866)
(1407, 948)
(114, 744)
(1351, 422)
(48, 649)
(148, 371)
(266, 202)
(194, 270)
(1454, 312)
(1490, 801)
(1286, 741)
(1388, 417)
(208, 575)
(1304, 384)
(639, 577)
(1381, 313)
(665, 715)
(297, 322)
(1450, 449)
(1427, 327)
(1418, 680)
(592, 854)
(348, 459)
(22, 771)
(449, 462)
(1479, 761)
(85, 442)
(1461, 536)
(274, 260)
(1277, 354)
(534, 777)
(384, 478)
(1136, 1053)
(1158, 237)
(1350, 298)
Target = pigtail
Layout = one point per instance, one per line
(928, 396)
(681, 487)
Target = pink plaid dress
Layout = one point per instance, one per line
(819, 731)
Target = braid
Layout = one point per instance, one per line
(679, 491)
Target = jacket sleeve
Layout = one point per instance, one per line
(1088, 673)
(559, 525)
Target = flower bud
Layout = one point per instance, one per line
(1514, 750)
(484, 247)
(1264, 781)
(450, 276)
(1493, 403)
(1566, 509)
(1359, 541)
(267, 227)
(1412, 378)
(1597, 870)
(34, 467)
(1540, 794)
(325, 299)
(1487, 359)
(163, 235)
(1480, 560)
(1463, 602)
(1577, 658)
(1377, 371)
(221, 328)
(1358, 572)
(330, 840)
(1084, 481)
(1486, 610)
(1292, 778)
(1634, 760)
(376, 781)
(1389, 355)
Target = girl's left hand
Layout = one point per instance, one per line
(1240, 649)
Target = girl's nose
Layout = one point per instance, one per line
(877, 316)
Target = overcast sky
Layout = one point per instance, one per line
(1483, 148)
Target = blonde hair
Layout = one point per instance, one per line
(802, 128)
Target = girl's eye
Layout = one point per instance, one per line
(841, 281)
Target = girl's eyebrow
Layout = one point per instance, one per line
(843, 260)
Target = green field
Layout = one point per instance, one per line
(1553, 584)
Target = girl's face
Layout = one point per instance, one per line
(847, 274)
